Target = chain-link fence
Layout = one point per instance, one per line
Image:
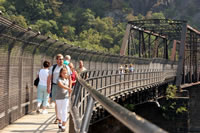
(22, 53)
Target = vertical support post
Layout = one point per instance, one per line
(181, 56)
(7, 89)
(125, 40)
(87, 116)
(165, 49)
(6, 94)
(20, 85)
(71, 125)
(139, 44)
(190, 59)
(134, 50)
(149, 46)
(32, 78)
(156, 47)
(77, 94)
(129, 48)
(173, 54)
(143, 45)
(195, 58)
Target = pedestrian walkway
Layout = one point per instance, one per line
(35, 123)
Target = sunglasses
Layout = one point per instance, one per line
(59, 59)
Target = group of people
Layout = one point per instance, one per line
(126, 68)
(57, 84)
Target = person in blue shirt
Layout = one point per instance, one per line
(131, 68)
(67, 60)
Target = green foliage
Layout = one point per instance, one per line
(115, 49)
(181, 109)
(20, 20)
(2, 2)
(85, 20)
(171, 108)
(171, 91)
(99, 7)
(69, 32)
(97, 24)
(91, 35)
(129, 106)
(158, 15)
(44, 26)
(2, 8)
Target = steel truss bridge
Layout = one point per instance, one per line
(163, 52)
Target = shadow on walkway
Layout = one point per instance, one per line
(35, 123)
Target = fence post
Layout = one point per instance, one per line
(6, 94)
(32, 78)
(20, 85)
(87, 116)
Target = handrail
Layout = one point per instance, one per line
(134, 122)
(127, 82)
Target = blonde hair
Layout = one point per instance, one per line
(59, 55)
(68, 57)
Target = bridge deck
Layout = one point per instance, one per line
(35, 123)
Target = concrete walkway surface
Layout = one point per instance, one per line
(35, 123)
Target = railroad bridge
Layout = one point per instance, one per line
(163, 52)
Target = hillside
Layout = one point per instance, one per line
(96, 24)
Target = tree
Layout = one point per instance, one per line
(85, 20)
(158, 15)
(69, 32)
(91, 35)
(20, 20)
(44, 26)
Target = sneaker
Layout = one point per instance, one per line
(62, 129)
(59, 125)
(45, 112)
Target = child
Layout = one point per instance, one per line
(62, 98)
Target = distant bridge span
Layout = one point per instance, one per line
(157, 38)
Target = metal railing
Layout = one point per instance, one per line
(102, 86)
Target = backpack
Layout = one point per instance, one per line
(36, 81)
(54, 66)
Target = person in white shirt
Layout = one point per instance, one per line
(62, 98)
(42, 94)
(53, 80)
(82, 69)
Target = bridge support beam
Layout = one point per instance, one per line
(194, 106)
(125, 40)
(179, 74)
(87, 116)
(173, 54)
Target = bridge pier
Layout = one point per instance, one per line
(194, 107)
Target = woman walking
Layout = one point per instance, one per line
(42, 94)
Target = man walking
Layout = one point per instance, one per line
(53, 79)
